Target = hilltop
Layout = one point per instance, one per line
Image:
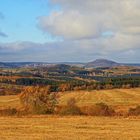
(102, 63)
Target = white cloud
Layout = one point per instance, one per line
(90, 29)
(70, 25)
(89, 19)
(82, 51)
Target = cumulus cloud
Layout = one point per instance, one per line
(83, 51)
(70, 25)
(90, 19)
(89, 29)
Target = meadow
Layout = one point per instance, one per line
(120, 99)
(69, 128)
(55, 127)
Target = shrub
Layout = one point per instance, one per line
(134, 111)
(71, 108)
(99, 109)
(38, 100)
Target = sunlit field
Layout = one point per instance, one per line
(75, 127)
(9, 101)
(120, 99)
(69, 69)
(69, 128)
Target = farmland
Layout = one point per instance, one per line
(69, 128)
(70, 70)
(118, 98)
(87, 88)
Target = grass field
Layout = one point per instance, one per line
(9, 101)
(120, 99)
(75, 127)
(69, 128)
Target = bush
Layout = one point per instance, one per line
(134, 111)
(70, 108)
(38, 100)
(99, 109)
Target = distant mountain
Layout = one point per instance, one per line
(94, 64)
(102, 63)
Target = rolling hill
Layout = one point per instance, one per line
(93, 64)
(102, 63)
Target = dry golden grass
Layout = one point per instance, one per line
(79, 127)
(120, 99)
(9, 101)
(69, 128)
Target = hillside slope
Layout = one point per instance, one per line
(102, 63)
(121, 99)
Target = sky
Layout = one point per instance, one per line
(69, 30)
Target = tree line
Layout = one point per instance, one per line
(69, 85)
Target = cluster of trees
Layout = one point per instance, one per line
(109, 83)
(34, 81)
(7, 81)
(38, 100)
(75, 84)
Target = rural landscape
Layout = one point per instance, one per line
(97, 100)
(70, 70)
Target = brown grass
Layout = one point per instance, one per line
(119, 99)
(75, 127)
(69, 128)
(9, 101)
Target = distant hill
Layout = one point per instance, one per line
(21, 64)
(102, 63)
(2, 64)
(94, 64)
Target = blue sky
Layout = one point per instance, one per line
(74, 30)
(20, 19)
